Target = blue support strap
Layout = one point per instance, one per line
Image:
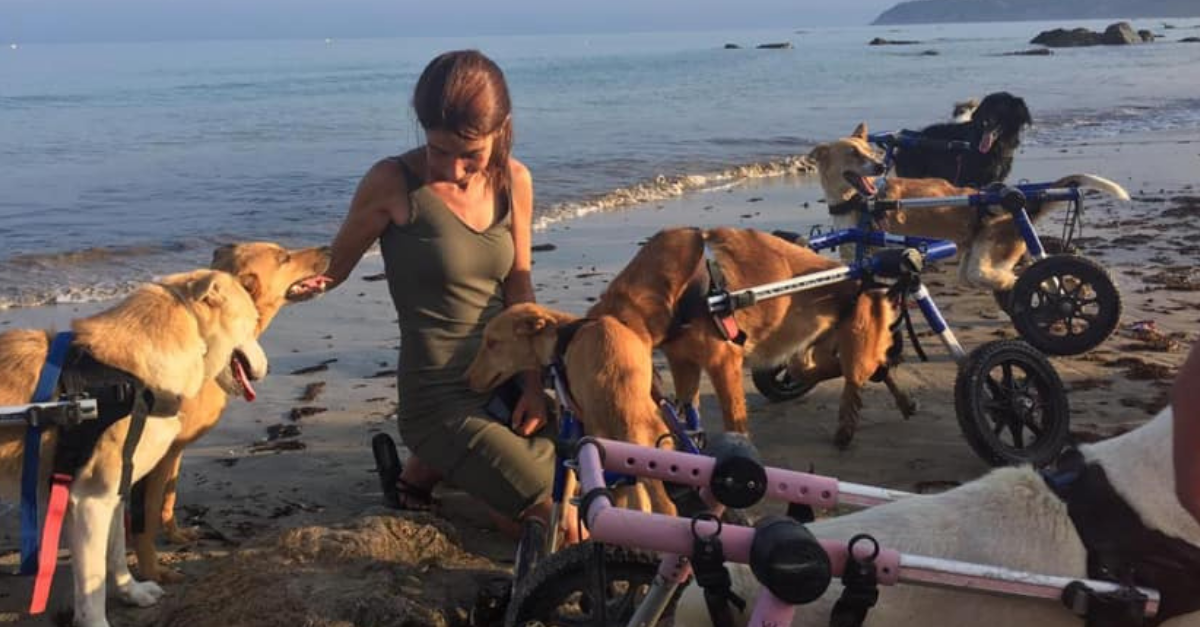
(44, 392)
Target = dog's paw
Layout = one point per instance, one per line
(909, 409)
(183, 535)
(140, 593)
(163, 575)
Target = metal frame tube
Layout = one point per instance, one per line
(674, 535)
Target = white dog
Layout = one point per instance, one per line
(1007, 518)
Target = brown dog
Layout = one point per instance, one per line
(175, 335)
(268, 272)
(606, 364)
(989, 244)
(837, 329)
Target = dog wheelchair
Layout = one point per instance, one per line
(1008, 397)
(1062, 303)
(631, 571)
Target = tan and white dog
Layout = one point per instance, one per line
(269, 273)
(1010, 518)
(172, 335)
(989, 245)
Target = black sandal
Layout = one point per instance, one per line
(408, 497)
(398, 493)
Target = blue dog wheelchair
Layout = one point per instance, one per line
(1008, 397)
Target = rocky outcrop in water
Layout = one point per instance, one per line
(941, 11)
(1119, 34)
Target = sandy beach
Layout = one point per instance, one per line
(243, 490)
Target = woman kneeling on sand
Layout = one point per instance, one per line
(453, 219)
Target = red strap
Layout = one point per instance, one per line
(60, 489)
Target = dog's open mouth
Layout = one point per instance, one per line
(862, 183)
(989, 138)
(240, 366)
(296, 292)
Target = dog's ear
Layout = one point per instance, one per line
(222, 257)
(819, 153)
(1023, 112)
(207, 289)
(251, 283)
(532, 324)
(860, 131)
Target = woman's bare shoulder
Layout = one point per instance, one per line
(519, 172)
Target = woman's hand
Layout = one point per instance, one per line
(530, 413)
(310, 287)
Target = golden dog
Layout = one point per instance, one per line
(989, 244)
(836, 330)
(610, 376)
(267, 272)
(173, 336)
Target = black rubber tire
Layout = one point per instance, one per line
(1073, 319)
(777, 385)
(988, 407)
(1038, 313)
(563, 579)
(1003, 300)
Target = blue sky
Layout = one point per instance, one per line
(125, 20)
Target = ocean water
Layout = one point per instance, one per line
(119, 162)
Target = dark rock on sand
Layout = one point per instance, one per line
(278, 446)
(538, 248)
(1190, 40)
(276, 432)
(1146, 35)
(783, 45)
(880, 41)
(303, 412)
(317, 368)
(732, 47)
(375, 277)
(312, 391)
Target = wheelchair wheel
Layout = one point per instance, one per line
(1065, 305)
(560, 592)
(778, 386)
(1011, 404)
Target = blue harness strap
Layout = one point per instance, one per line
(47, 382)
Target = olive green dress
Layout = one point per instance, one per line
(446, 281)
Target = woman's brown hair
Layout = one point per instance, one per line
(464, 92)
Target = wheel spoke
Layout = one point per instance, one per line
(993, 388)
(1017, 434)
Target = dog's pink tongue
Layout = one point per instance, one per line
(239, 373)
(868, 184)
(985, 143)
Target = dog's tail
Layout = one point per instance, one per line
(1091, 181)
